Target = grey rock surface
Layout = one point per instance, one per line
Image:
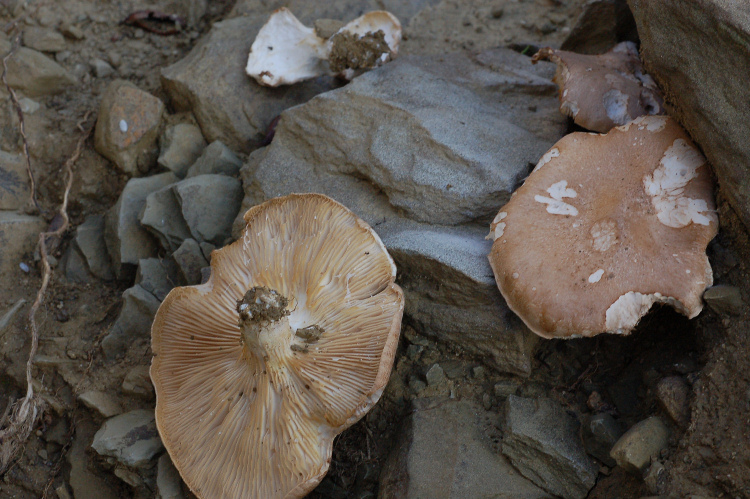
(601, 25)
(138, 310)
(131, 438)
(127, 240)
(43, 39)
(162, 216)
(600, 432)
(74, 264)
(14, 181)
(724, 299)
(673, 396)
(90, 241)
(216, 158)
(18, 237)
(190, 261)
(33, 73)
(101, 402)
(634, 450)
(168, 481)
(543, 443)
(158, 276)
(689, 48)
(209, 205)
(446, 451)
(181, 145)
(128, 126)
(138, 382)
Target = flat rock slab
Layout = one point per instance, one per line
(209, 205)
(138, 311)
(216, 158)
(162, 216)
(131, 438)
(543, 443)
(14, 181)
(90, 241)
(446, 452)
(696, 51)
(181, 145)
(33, 73)
(19, 235)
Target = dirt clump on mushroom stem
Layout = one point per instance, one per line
(350, 51)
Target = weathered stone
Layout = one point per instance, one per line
(162, 216)
(100, 402)
(600, 433)
(437, 383)
(181, 145)
(19, 235)
(138, 310)
(209, 205)
(128, 476)
(190, 261)
(601, 25)
(43, 39)
(33, 73)
(90, 240)
(444, 452)
(724, 299)
(138, 382)
(673, 395)
(228, 105)
(127, 241)
(542, 442)
(131, 438)
(128, 126)
(74, 264)
(689, 48)
(634, 450)
(14, 181)
(207, 249)
(216, 158)
(101, 68)
(168, 481)
(157, 276)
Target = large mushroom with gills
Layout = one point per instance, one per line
(290, 342)
(606, 226)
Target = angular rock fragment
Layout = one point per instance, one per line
(181, 145)
(43, 39)
(216, 158)
(90, 241)
(190, 261)
(33, 73)
(138, 310)
(158, 276)
(101, 402)
(138, 382)
(162, 216)
(209, 205)
(131, 438)
(634, 450)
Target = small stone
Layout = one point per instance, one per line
(600, 433)
(42, 453)
(72, 31)
(216, 158)
(33, 73)
(207, 249)
(74, 265)
(28, 106)
(326, 28)
(486, 401)
(115, 59)
(209, 205)
(190, 261)
(505, 388)
(656, 478)
(435, 376)
(101, 68)
(181, 145)
(131, 438)
(478, 372)
(168, 481)
(14, 181)
(128, 476)
(90, 240)
(205, 274)
(414, 351)
(134, 321)
(63, 492)
(138, 382)
(43, 39)
(59, 432)
(157, 276)
(100, 402)
(634, 450)
(18, 237)
(673, 393)
(724, 299)
(162, 216)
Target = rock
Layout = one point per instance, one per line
(138, 310)
(673, 394)
(724, 299)
(90, 242)
(228, 105)
(542, 442)
(634, 450)
(86, 484)
(168, 481)
(72, 31)
(190, 261)
(162, 216)
(216, 158)
(181, 145)
(504, 388)
(689, 47)
(138, 382)
(437, 383)
(43, 39)
(601, 25)
(74, 265)
(444, 452)
(207, 249)
(101, 68)
(19, 235)
(100, 402)
(128, 476)
(14, 181)
(157, 276)
(209, 205)
(131, 438)
(33, 73)
(128, 126)
(127, 241)
(600, 433)
(656, 478)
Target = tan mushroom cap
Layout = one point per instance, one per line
(247, 416)
(603, 91)
(606, 226)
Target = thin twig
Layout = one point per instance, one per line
(32, 183)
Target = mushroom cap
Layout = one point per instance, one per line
(603, 91)
(239, 425)
(604, 227)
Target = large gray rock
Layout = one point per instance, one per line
(131, 438)
(543, 443)
(696, 51)
(127, 240)
(33, 73)
(181, 145)
(162, 216)
(209, 205)
(138, 311)
(216, 158)
(228, 105)
(445, 451)
(90, 242)
(14, 181)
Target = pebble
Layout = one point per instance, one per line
(168, 481)
(181, 145)
(131, 438)
(134, 322)
(190, 261)
(216, 158)
(672, 394)
(43, 39)
(634, 450)
(101, 402)
(209, 205)
(138, 382)
(724, 299)
(600, 432)
(35, 74)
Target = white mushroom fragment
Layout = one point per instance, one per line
(605, 228)
(290, 342)
(603, 91)
(286, 51)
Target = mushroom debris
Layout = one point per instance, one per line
(604, 227)
(290, 342)
(603, 91)
(286, 51)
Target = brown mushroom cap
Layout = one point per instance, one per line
(603, 91)
(252, 413)
(604, 227)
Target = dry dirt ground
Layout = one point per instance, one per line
(710, 458)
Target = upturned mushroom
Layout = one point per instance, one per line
(286, 51)
(603, 91)
(604, 227)
(290, 342)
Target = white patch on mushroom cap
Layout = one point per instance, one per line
(286, 51)
(623, 315)
(555, 204)
(596, 276)
(500, 216)
(616, 106)
(569, 108)
(667, 183)
(604, 233)
(552, 153)
(650, 123)
(497, 227)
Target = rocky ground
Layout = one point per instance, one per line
(425, 149)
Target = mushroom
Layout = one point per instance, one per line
(603, 91)
(286, 51)
(604, 227)
(290, 342)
